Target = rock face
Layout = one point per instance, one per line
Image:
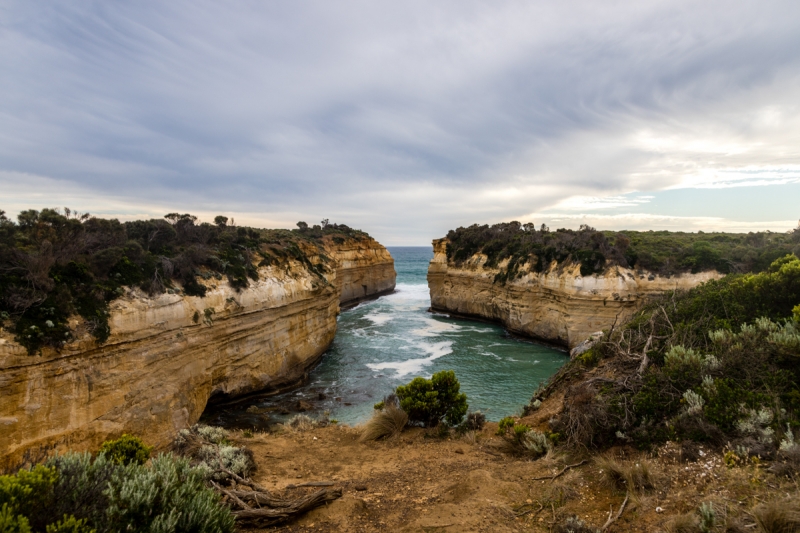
(556, 305)
(366, 269)
(167, 355)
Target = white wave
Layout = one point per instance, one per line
(412, 366)
(490, 354)
(407, 291)
(378, 318)
(434, 328)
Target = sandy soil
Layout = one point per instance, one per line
(420, 483)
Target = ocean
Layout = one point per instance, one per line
(388, 341)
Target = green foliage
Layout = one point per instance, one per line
(432, 401)
(662, 252)
(126, 449)
(54, 265)
(505, 424)
(28, 491)
(170, 495)
(69, 524)
(722, 366)
(85, 494)
(11, 522)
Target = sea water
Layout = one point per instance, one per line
(387, 342)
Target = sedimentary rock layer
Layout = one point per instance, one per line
(557, 305)
(168, 354)
(365, 269)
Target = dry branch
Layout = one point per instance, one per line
(271, 516)
(619, 513)
(561, 473)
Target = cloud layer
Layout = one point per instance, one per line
(404, 119)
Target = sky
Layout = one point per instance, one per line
(406, 119)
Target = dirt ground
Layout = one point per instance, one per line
(422, 483)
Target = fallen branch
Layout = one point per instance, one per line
(619, 513)
(270, 516)
(312, 484)
(561, 473)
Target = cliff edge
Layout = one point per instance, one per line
(168, 354)
(558, 304)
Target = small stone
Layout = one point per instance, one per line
(459, 450)
(360, 487)
(659, 510)
(304, 406)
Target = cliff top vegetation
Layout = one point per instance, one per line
(55, 264)
(715, 364)
(661, 252)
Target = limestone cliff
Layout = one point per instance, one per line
(168, 354)
(557, 305)
(365, 269)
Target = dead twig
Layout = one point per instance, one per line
(561, 473)
(619, 513)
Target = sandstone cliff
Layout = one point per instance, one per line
(557, 305)
(168, 354)
(365, 269)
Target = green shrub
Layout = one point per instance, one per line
(69, 524)
(432, 401)
(126, 449)
(73, 493)
(169, 495)
(505, 424)
(28, 491)
(11, 522)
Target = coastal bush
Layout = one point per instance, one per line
(126, 449)
(662, 252)
(430, 402)
(717, 363)
(475, 421)
(55, 264)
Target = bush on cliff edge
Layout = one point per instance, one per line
(432, 401)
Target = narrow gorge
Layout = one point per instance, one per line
(169, 353)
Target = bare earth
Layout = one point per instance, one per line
(421, 483)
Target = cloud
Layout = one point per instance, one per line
(402, 119)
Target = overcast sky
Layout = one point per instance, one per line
(406, 119)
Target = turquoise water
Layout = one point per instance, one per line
(387, 342)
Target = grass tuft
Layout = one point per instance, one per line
(778, 516)
(385, 423)
(632, 477)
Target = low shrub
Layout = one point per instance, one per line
(475, 421)
(74, 493)
(126, 450)
(430, 402)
